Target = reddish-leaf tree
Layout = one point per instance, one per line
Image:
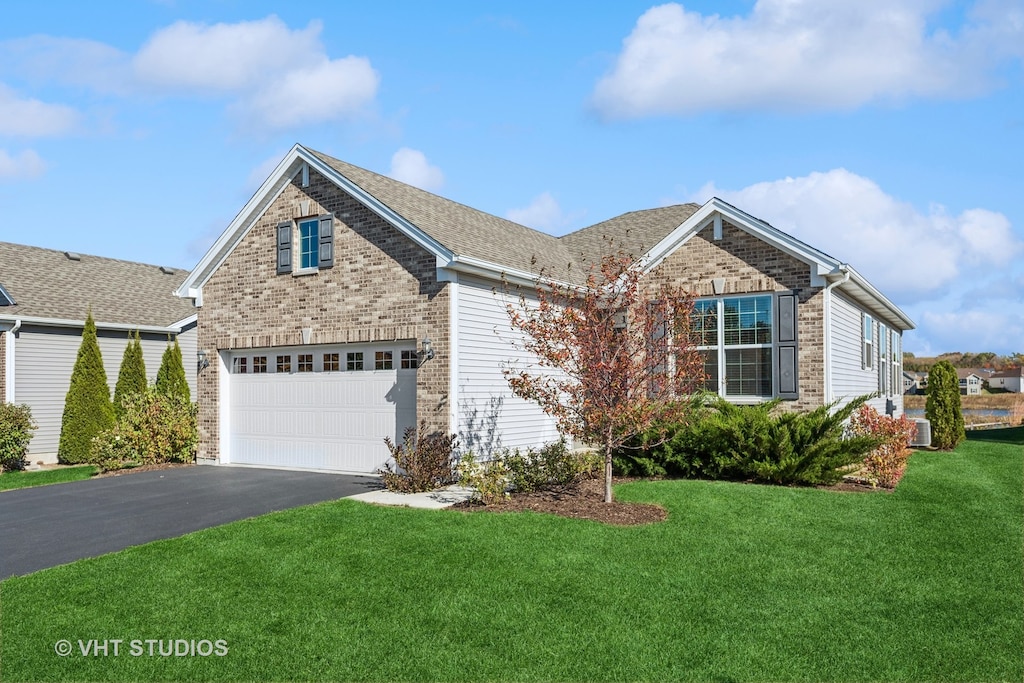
(614, 357)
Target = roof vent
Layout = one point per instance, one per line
(166, 271)
(72, 256)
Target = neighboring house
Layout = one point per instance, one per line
(341, 306)
(970, 382)
(1008, 380)
(44, 298)
(914, 382)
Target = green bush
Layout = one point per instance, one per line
(16, 427)
(942, 408)
(154, 428)
(551, 465)
(87, 407)
(170, 378)
(756, 443)
(489, 480)
(423, 462)
(131, 379)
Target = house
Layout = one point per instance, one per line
(341, 306)
(914, 382)
(1008, 380)
(970, 382)
(44, 298)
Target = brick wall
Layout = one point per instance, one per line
(750, 265)
(383, 287)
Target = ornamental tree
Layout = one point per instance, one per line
(87, 407)
(942, 407)
(613, 358)
(131, 379)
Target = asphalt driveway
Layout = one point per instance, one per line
(51, 525)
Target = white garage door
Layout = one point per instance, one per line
(320, 407)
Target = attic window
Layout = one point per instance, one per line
(72, 256)
(5, 298)
(166, 271)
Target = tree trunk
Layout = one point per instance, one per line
(607, 472)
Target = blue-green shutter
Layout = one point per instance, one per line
(786, 346)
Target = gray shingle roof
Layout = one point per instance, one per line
(45, 283)
(470, 232)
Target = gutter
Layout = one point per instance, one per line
(843, 273)
(63, 322)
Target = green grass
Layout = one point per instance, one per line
(742, 582)
(20, 480)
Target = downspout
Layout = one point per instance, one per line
(844, 271)
(9, 362)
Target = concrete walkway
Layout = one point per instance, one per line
(431, 500)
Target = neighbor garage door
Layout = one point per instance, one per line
(320, 407)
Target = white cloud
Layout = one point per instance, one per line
(1000, 331)
(28, 164)
(32, 118)
(907, 254)
(805, 54)
(543, 213)
(411, 166)
(275, 77)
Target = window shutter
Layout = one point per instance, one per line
(326, 241)
(786, 356)
(284, 247)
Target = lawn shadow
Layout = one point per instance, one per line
(1011, 435)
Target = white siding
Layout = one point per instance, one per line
(44, 359)
(489, 415)
(849, 378)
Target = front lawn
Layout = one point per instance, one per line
(742, 582)
(20, 480)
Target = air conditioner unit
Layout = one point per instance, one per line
(923, 438)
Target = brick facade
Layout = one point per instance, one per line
(383, 287)
(749, 265)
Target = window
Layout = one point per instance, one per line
(883, 360)
(309, 243)
(868, 339)
(314, 243)
(735, 334)
(896, 362)
(240, 366)
(284, 363)
(331, 362)
(305, 362)
(410, 361)
(382, 360)
(354, 360)
(259, 364)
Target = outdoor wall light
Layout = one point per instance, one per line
(428, 349)
(204, 361)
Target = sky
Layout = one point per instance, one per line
(886, 133)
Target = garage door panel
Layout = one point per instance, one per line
(321, 420)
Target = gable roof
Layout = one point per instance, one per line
(1011, 372)
(469, 240)
(51, 285)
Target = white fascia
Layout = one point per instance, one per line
(492, 271)
(100, 325)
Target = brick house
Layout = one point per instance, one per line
(341, 306)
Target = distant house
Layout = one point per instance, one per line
(1008, 380)
(44, 298)
(914, 382)
(970, 382)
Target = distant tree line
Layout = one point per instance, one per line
(958, 359)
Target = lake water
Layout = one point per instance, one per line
(975, 412)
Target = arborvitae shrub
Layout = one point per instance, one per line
(942, 408)
(170, 379)
(87, 407)
(131, 379)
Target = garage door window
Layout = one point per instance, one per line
(241, 366)
(259, 364)
(383, 361)
(354, 361)
(305, 362)
(331, 362)
(409, 360)
(284, 363)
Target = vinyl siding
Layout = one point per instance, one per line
(849, 379)
(44, 359)
(489, 415)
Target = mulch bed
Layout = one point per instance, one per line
(146, 468)
(582, 501)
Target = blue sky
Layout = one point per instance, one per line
(888, 134)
